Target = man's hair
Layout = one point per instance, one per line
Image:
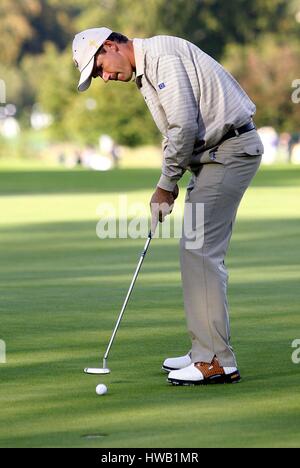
(118, 37)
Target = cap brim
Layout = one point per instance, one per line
(85, 77)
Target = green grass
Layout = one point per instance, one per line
(61, 291)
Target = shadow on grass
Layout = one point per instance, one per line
(126, 180)
(58, 268)
(77, 181)
(61, 291)
(255, 242)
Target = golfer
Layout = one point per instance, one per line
(205, 118)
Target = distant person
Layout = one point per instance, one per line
(109, 147)
(295, 156)
(206, 120)
(284, 146)
(62, 158)
(270, 141)
(78, 158)
(115, 154)
(295, 140)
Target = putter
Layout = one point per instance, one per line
(104, 369)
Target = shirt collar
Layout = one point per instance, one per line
(139, 57)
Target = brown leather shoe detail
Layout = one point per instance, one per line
(209, 370)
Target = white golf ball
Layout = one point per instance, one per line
(101, 389)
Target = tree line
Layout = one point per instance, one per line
(257, 41)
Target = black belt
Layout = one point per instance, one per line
(238, 131)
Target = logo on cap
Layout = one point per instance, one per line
(93, 44)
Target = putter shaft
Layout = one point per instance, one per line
(127, 299)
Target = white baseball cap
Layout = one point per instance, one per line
(85, 46)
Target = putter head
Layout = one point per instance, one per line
(96, 371)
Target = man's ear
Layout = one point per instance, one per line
(110, 46)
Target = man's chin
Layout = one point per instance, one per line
(125, 78)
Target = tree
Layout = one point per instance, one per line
(16, 27)
(212, 24)
(36, 61)
(267, 70)
(120, 112)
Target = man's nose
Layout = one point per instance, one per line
(105, 76)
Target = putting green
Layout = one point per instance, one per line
(61, 291)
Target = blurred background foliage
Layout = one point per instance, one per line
(257, 41)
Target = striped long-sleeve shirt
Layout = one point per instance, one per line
(194, 101)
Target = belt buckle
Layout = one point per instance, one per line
(237, 133)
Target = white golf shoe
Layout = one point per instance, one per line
(176, 363)
(202, 373)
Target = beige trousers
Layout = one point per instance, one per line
(224, 175)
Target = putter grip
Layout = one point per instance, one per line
(147, 244)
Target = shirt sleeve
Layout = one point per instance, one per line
(177, 99)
